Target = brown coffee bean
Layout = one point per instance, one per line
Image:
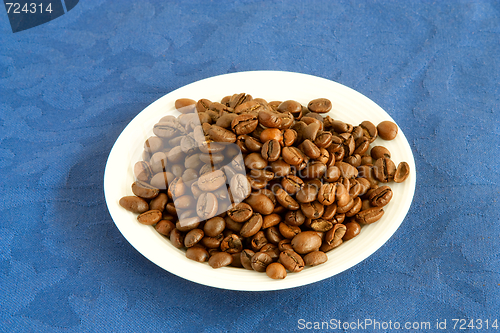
(286, 200)
(260, 203)
(271, 150)
(384, 170)
(369, 130)
(164, 227)
(220, 259)
(197, 253)
(143, 171)
(312, 210)
(185, 105)
(332, 174)
(402, 172)
(314, 170)
(292, 155)
(292, 184)
(306, 241)
(134, 204)
(356, 207)
(307, 193)
(289, 137)
(144, 190)
(370, 215)
(220, 134)
(260, 261)
(288, 231)
(276, 271)
(387, 130)
(315, 258)
(326, 194)
(244, 124)
(378, 152)
(333, 237)
(380, 196)
(150, 217)
(184, 202)
(212, 242)
(352, 230)
(320, 105)
(177, 238)
(252, 226)
(193, 237)
(207, 206)
(246, 258)
(291, 260)
(231, 244)
(240, 212)
(258, 241)
(269, 119)
(211, 181)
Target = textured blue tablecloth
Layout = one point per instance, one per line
(70, 86)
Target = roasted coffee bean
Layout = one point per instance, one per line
(320, 105)
(289, 137)
(166, 130)
(144, 190)
(384, 170)
(240, 212)
(345, 208)
(333, 237)
(292, 184)
(252, 226)
(341, 195)
(246, 258)
(214, 226)
(143, 171)
(332, 174)
(260, 261)
(197, 253)
(271, 150)
(357, 203)
(260, 203)
(226, 119)
(231, 244)
(184, 202)
(314, 170)
(352, 230)
(164, 227)
(258, 241)
(286, 200)
(306, 241)
(271, 220)
(402, 172)
(276, 271)
(291, 106)
(288, 231)
(330, 211)
(207, 206)
(220, 259)
(312, 210)
(211, 181)
(193, 237)
(255, 161)
(280, 168)
(134, 204)
(269, 119)
(244, 124)
(369, 130)
(370, 215)
(387, 130)
(291, 260)
(321, 225)
(159, 202)
(326, 194)
(315, 258)
(212, 242)
(150, 217)
(273, 234)
(187, 223)
(310, 149)
(177, 238)
(380, 196)
(240, 187)
(380, 152)
(307, 193)
(292, 155)
(220, 134)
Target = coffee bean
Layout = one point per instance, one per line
(246, 258)
(380, 196)
(143, 171)
(271, 150)
(211, 181)
(231, 244)
(252, 226)
(220, 134)
(220, 259)
(276, 271)
(260, 261)
(312, 210)
(306, 241)
(384, 170)
(370, 215)
(150, 217)
(177, 238)
(291, 260)
(134, 204)
(197, 253)
(240, 212)
(207, 206)
(387, 130)
(260, 203)
(402, 172)
(315, 258)
(244, 124)
(240, 187)
(320, 105)
(333, 237)
(164, 227)
(193, 237)
(292, 184)
(144, 190)
(380, 152)
(352, 230)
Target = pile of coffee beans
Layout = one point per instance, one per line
(266, 186)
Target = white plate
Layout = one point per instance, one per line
(348, 106)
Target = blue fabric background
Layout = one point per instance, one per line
(69, 87)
